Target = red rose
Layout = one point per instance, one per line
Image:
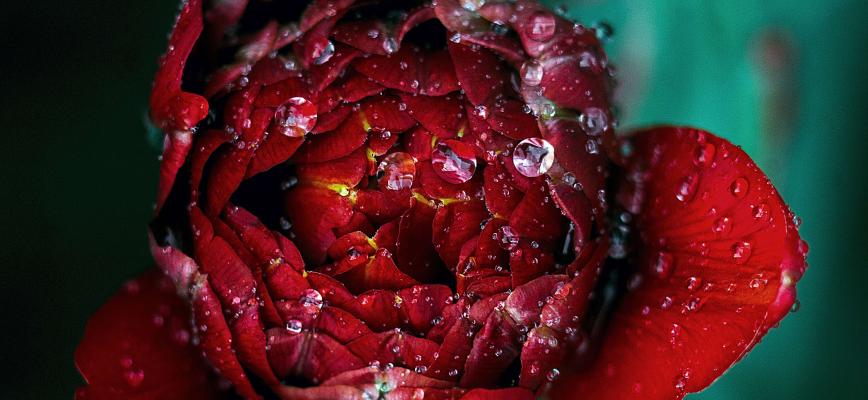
(393, 200)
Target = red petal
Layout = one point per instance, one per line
(309, 355)
(172, 109)
(442, 116)
(138, 345)
(314, 230)
(509, 118)
(730, 256)
(479, 72)
(335, 144)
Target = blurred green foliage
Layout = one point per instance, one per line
(786, 79)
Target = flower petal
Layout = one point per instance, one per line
(720, 257)
(138, 345)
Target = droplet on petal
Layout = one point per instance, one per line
(741, 252)
(507, 238)
(472, 5)
(396, 171)
(325, 53)
(531, 73)
(594, 121)
(541, 26)
(134, 377)
(296, 118)
(722, 226)
(739, 187)
(293, 326)
(533, 157)
(311, 301)
(453, 161)
(663, 265)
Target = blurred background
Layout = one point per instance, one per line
(785, 79)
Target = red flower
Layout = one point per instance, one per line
(402, 201)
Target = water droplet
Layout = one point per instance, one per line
(396, 171)
(134, 377)
(472, 5)
(703, 156)
(540, 26)
(761, 212)
(420, 369)
(507, 238)
(533, 157)
(295, 118)
(687, 188)
(664, 264)
(390, 45)
(722, 226)
(453, 161)
(591, 146)
(741, 252)
(681, 381)
(739, 187)
(594, 121)
(293, 326)
(311, 301)
(553, 374)
(758, 282)
(325, 53)
(693, 283)
(453, 372)
(603, 30)
(796, 306)
(531, 73)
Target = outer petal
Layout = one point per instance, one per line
(720, 258)
(138, 346)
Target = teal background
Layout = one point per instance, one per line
(785, 79)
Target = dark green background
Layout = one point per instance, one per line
(78, 174)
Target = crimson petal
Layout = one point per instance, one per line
(722, 264)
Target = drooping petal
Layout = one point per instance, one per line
(720, 257)
(138, 345)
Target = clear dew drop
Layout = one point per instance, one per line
(741, 252)
(134, 377)
(453, 161)
(687, 187)
(311, 301)
(594, 121)
(472, 5)
(506, 238)
(739, 187)
(553, 374)
(295, 118)
(533, 157)
(693, 283)
(396, 171)
(722, 225)
(762, 212)
(325, 53)
(703, 156)
(540, 26)
(664, 265)
(390, 45)
(293, 326)
(531, 73)
(603, 30)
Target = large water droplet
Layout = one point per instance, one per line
(396, 171)
(295, 118)
(453, 161)
(703, 156)
(739, 187)
(533, 157)
(553, 374)
(594, 121)
(741, 252)
(541, 26)
(531, 73)
(311, 301)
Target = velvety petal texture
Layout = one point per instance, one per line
(408, 199)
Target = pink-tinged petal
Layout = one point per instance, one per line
(138, 346)
(176, 146)
(524, 303)
(314, 230)
(719, 262)
(350, 136)
(171, 108)
(215, 338)
(173, 262)
(308, 355)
